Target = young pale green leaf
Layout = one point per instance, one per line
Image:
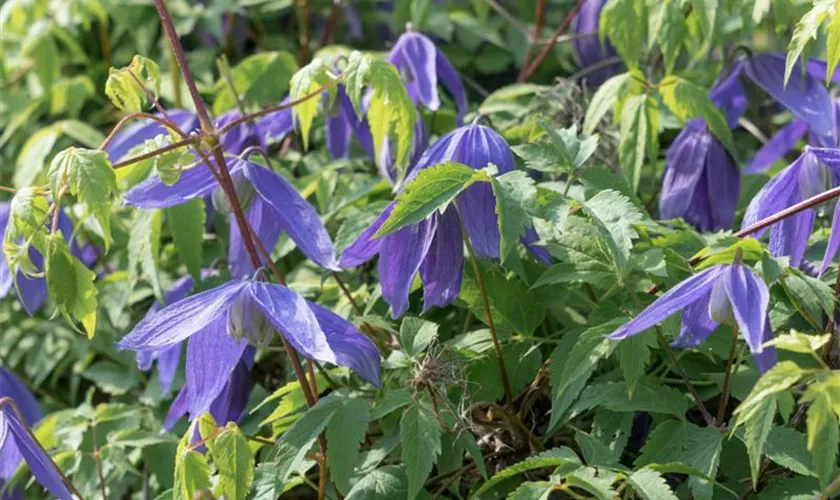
(28, 215)
(799, 342)
(432, 189)
(604, 100)
(686, 443)
(623, 21)
(650, 485)
(345, 434)
(186, 223)
(89, 176)
(667, 26)
(192, 472)
(555, 457)
(70, 284)
(391, 111)
(833, 43)
(687, 100)
(805, 31)
(789, 448)
(127, 87)
(235, 462)
(260, 78)
(420, 435)
(823, 427)
(634, 132)
(779, 378)
(515, 196)
(757, 430)
(305, 81)
(144, 248)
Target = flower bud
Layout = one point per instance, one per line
(244, 191)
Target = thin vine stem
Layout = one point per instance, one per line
(191, 140)
(7, 401)
(547, 48)
(727, 381)
(98, 459)
(539, 17)
(136, 116)
(707, 417)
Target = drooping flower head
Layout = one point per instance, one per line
(815, 171)
(434, 247)
(16, 442)
(271, 204)
(588, 49)
(423, 66)
(219, 325)
(32, 292)
(723, 294)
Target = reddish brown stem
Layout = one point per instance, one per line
(551, 41)
(539, 17)
(135, 116)
(151, 154)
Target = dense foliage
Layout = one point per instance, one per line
(373, 249)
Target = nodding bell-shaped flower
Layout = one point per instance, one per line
(423, 66)
(32, 292)
(271, 205)
(588, 49)
(815, 171)
(17, 443)
(434, 247)
(219, 325)
(730, 294)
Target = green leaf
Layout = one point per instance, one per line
(616, 214)
(420, 435)
(633, 357)
(706, 13)
(305, 81)
(631, 147)
(551, 458)
(515, 196)
(192, 472)
(416, 334)
(757, 431)
(683, 442)
(260, 78)
(650, 485)
(541, 155)
(33, 155)
(623, 21)
(789, 448)
(535, 490)
(235, 462)
(823, 430)
(806, 30)
(604, 100)
(127, 87)
(431, 190)
(779, 378)
(814, 296)
(687, 100)
(70, 284)
(386, 483)
(563, 151)
(390, 111)
(186, 223)
(649, 396)
(832, 43)
(667, 26)
(144, 248)
(590, 480)
(799, 342)
(89, 176)
(345, 434)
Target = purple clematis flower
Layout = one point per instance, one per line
(729, 294)
(16, 442)
(272, 206)
(588, 50)
(815, 171)
(219, 324)
(32, 292)
(434, 247)
(423, 66)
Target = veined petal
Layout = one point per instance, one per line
(414, 55)
(697, 323)
(442, 269)
(195, 182)
(778, 146)
(399, 261)
(750, 298)
(212, 356)
(765, 359)
(338, 132)
(6, 281)
(168, 362)
(265, 224)
(294, 214)
(450, 80)
(684, 163)
(275, 126)
(803, 94)
(789, 237)
(352, 349)
(477, 210)
(240, 137)
(774, 196)
(177, 322)
(39, 463)
(10, 456)
(366, 247)
(833, 240)
(142, 131)
(359, 126)
(727, 93)
(177, 409)
(724, 185)
(588, 50)
(230, 404)
(678, 298)
(290, 315)
(830, 157)
(12, 387)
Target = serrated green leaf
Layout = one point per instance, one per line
(416, 334)
(833, 43)
(631, 147)
(385, 483)
(186, 223)
(590, 480)
(89, 176)
(805, 31)
(604, 100)
(534, 490)
(814, 296)
(650, 485)
(823, 429)
(144, 248)
(260, 78)
(515, 196)
(192, 474)
(649, 396)
(420, 435)
(633, 357)
(686, 443)
(551, 458)
(667, 27)
(799, 342)
(789, 448)
(687, 100)
(345, 434)
(127, 87)
(757, 429)
(779, 378)
(623, 21)
(305, 81)
(70, 284)
(431, 190)
(235, 463)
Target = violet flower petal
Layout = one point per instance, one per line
(211, 358)
(365, 247)
(442, 269)
(400, 258)
(750, 298)
(778, 146)
(352, 349)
